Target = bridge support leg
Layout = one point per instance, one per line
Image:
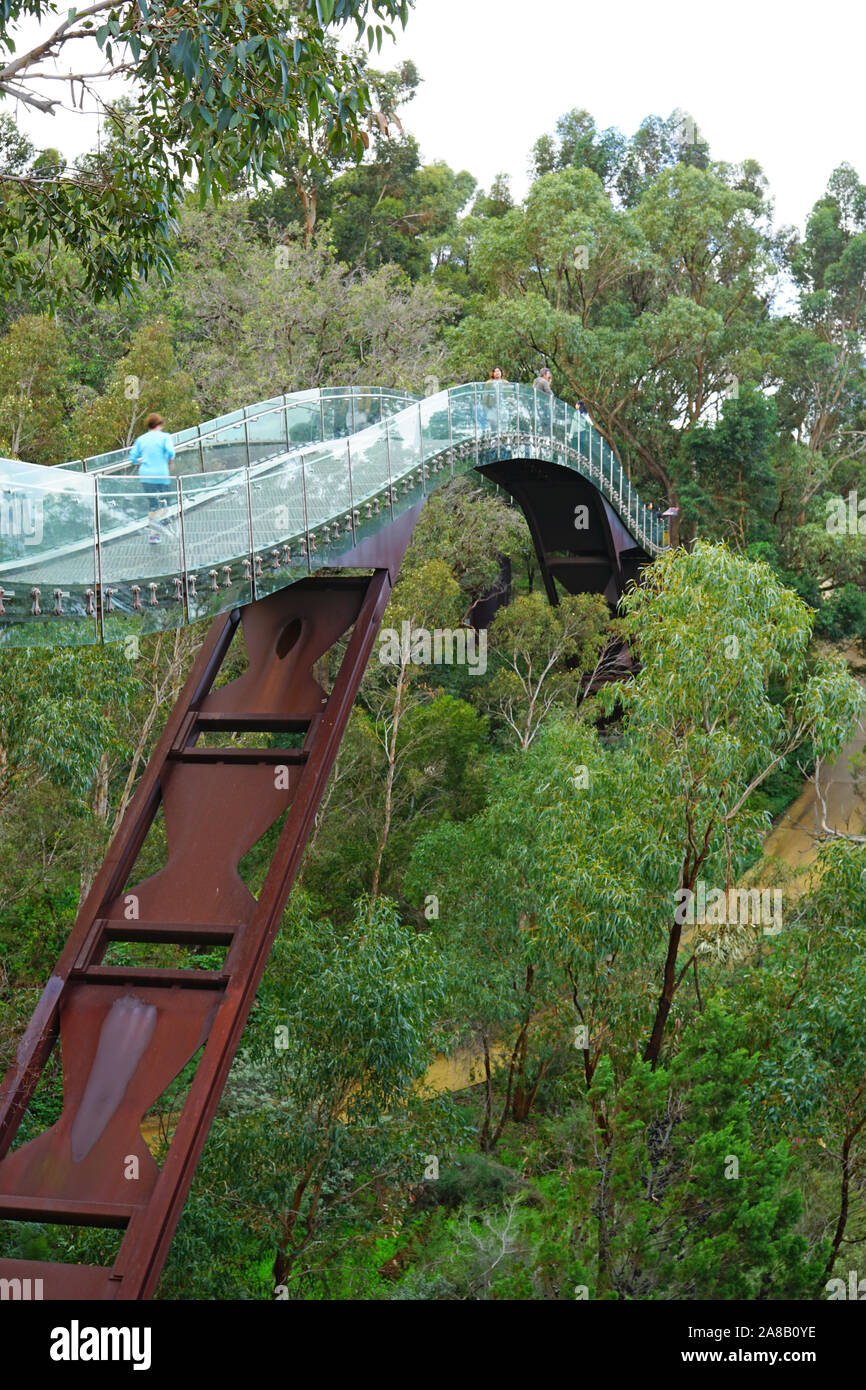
(126, 1032)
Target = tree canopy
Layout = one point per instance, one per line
(219, 93)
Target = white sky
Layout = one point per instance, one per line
(774, 81)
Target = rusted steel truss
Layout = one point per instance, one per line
(125, 1033)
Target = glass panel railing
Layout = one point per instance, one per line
(263, 407)
(141, 565)
(245, 531)
(303, 423)
(189, 457)
(48, 579)
(266, 435)
(326, 485)
(404, 434)
(217, 540)
(370, 405)
(560, 411)
(526, 396)
(336, 417)
(370, 468)
(508, 408)
(435, 425)
(277, 513)
(464, 413)
(225, 449)
(357, 405)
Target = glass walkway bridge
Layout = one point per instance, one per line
(263, 497)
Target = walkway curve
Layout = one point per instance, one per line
(76, 565)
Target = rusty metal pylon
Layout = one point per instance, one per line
(126, 1032)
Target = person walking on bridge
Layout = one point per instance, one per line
(153, 452)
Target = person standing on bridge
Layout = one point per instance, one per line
(543, 381)
(489, 398)
(153, 452)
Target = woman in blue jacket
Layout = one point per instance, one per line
(153, 452)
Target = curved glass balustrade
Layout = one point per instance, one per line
(327, 469)
(265, 430)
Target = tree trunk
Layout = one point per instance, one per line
(309, 203)
(520, 1106)
(484, 1137)
(666, 998)
(99, 806)
(522, 1103)
(845, 1196)
(392, 771)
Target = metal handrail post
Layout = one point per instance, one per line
(252, 541)
(351, 492)
(388, 458)
(182, 536)
(306, 518)
(97, 544)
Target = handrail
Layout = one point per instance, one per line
(185, 439)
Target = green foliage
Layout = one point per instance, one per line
(475, 1179)
(733, 485)
(146, 379)
(475, 529)
(34, 391)
(620, 1064)
(53, 705)
(694, 1203)
(677, 1197)
(252, 319)
(544, 656)
(645, 313)
(220, 92)
(805, 1007)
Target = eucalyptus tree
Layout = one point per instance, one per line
(255, 315)
(541, 920)
(470, 524)
(805, 1009)
(649, 315)
(822, 385)
(145, 379)
(218, 93)
(35, 390)
(428, 598)
(728, 691)
(543, 657)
